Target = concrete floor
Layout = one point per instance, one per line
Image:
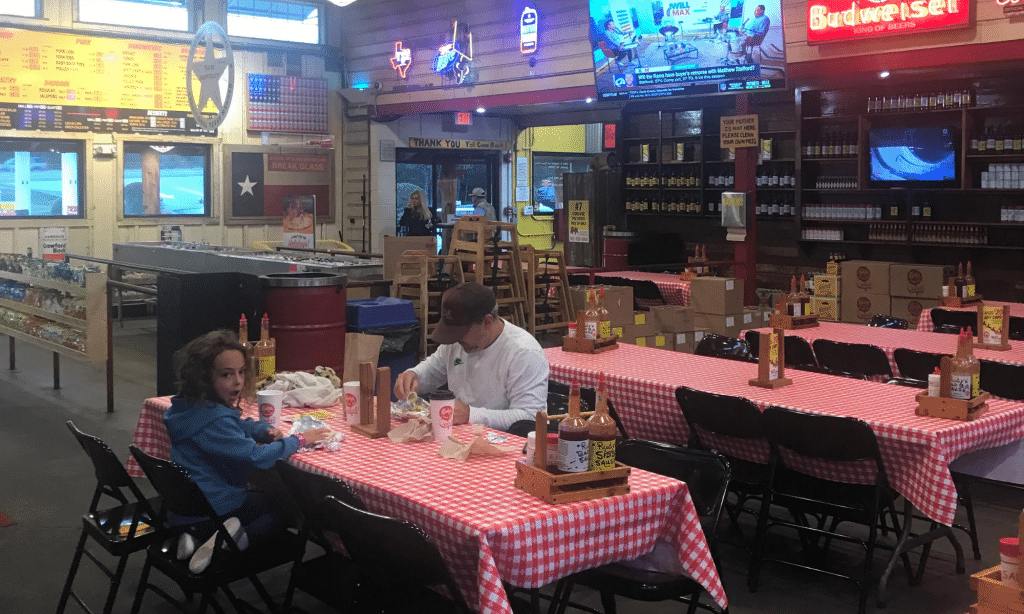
(46, 482)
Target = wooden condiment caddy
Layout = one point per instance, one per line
(554, 486)
(783, 321)
(580, 344)
(957, 301)
(944, 406)
(374, 418)
(771, 357)
(994, 597)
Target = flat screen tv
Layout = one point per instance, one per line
(649, 49)
(166, 179)
(41, 178)
(914, 156)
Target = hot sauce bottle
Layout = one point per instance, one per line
(591, 320)
(966, 370)
(243, 333)
(969, 282)
(573, 443)
(602, 431)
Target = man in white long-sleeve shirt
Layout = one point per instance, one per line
(497, 371)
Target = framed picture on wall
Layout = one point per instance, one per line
(260, 178)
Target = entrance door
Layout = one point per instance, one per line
(446, 179)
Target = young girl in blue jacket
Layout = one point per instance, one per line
(217, 447)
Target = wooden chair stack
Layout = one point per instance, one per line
(548, 305)
(422, 278)
(491, 262)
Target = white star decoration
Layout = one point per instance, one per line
(247, 186)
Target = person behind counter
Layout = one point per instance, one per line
(417, 219)
(497, 371)
(480, 204)
(217, 447)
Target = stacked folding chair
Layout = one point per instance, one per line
(547, 289)
(422, 278)
(492, 262)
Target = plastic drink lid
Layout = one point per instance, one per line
(1009, 546)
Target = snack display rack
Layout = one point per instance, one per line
(75, 332)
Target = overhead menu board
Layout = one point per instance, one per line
(67, 82)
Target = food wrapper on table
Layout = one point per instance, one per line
(482, 445)
(308, 422)
(303, 389)
(411, 407)
(412, 431)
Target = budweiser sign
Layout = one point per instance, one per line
(835, 20)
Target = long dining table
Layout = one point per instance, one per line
(916, 450)
(674, 290)
(488, 531)
(925, 324)
(890, 339)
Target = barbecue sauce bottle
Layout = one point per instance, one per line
(573, 443)
(266, 351)
(969, 282)
(602, 432)
(591, 321)
(793, 299)
(959, 286)
(966, 370)
(604, 321)
(243, 333)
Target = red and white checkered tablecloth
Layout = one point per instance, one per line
(488, 531)
(916, 450)
(674, 290)
(891, 338)
(925, 324)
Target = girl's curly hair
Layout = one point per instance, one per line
(193, 365)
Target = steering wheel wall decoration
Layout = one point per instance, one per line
(209, 72)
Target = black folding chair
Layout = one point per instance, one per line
(589, 397)
(916, 365)
(557, 405)
(858, 358)
(826, 467)
(332, 577)
(707, 476)
(1002, 380)
(799, 354)
(720, 346)
(1016, 328)
(732, 427)
(951, 318)
(228, 564)
(881, 320)
(646, 294)
(399, 560)
(122, 530)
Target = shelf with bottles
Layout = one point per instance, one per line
(834, 182)
(996, 138)
(686, 203)
(944, 99)
(775, 174)
(944, 233)
(829, 145)
(845, 212)
(775, 207)
(720, 175)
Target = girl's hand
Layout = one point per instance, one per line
(274, 433)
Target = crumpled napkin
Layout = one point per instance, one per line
(307, 422)
(305, 389)
(416, 429)
(481, 445)
(329, 374)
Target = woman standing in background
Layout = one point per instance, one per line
(417, 219)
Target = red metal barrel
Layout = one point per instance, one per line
(307, 319)
(616, 250)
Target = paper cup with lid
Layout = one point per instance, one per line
(442, 414)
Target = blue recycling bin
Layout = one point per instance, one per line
(395, 320)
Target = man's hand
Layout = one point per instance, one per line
(461, 415)
(405, 383)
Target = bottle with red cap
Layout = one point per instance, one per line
(573, 440)
(266, 351)
(602, 432)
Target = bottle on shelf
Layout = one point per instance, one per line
(1000, 141)
(990, 140)
(1008, 139)
(601, 432)
(573, 442)
(266, 351)
(965, 369)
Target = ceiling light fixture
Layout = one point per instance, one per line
(589, 100)
(341, 2)
(481, 110)
(884, 74)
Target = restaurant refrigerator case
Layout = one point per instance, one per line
(593, 200)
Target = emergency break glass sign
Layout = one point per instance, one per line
(839, 20)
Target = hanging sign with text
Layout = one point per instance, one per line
(579, 221)
(839, 20)
(738, 131)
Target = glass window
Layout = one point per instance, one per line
(40, 178)
(20, 8)
(547, 178)
(159, 14)
(294, 22)
(163, 179)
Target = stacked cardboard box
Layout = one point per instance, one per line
(865, 290)
(718, 305)
(914, 288)
(618, 300)
(825, 301)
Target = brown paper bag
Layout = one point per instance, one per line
(360, 348)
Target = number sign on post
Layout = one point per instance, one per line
(771, 363)
(993, 327)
